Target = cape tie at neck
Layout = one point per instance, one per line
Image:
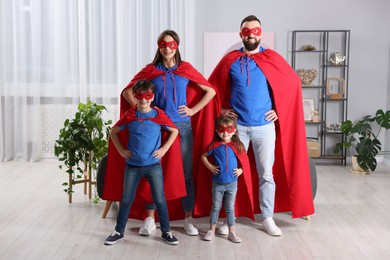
(140, 119)
(241, 60)
(227, 158)
(164, 77)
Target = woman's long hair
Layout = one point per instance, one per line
(235, 139)
(158, 57)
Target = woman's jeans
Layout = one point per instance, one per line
(263, 144)
(226, 192)
(132, 176)
(186, 146)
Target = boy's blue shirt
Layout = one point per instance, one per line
(144, 139)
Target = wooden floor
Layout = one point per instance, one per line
(352, 221)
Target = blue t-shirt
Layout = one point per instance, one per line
(226, 159)
(174, 88)
(249, 92)
(144, 139)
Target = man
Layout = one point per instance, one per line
(260, 89)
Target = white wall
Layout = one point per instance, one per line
(387, 144)
(368, 21)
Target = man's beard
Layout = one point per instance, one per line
(251, 46)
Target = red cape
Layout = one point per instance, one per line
(291, 167)
(244, 208)
(171, 162)
(113, 183)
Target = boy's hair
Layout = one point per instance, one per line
(143, 85)
(250, 18)
(235, 139)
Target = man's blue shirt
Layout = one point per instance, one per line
(250, 93)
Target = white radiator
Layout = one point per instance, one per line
(52, 120)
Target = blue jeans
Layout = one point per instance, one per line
(186, 147)
(221, 191)
(263, 144)
(132, 176)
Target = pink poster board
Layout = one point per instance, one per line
(216, 45)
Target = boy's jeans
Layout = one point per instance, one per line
(133, 174)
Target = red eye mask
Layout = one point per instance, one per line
(164, 44)
(255, 31)
(229, 129)
(146, 95)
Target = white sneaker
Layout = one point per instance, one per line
(234, 237)
(224, 229)
(189, 227)
(271, 228)
(147, 227)
(209, 235)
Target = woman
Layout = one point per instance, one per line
(182, 92)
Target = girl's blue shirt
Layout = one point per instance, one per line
(227, 161)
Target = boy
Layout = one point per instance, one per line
(142, 155)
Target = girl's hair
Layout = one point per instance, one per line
(158, 57)
(227, 120)
(143, 85)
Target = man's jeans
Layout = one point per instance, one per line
(133, 174)
(263, 144)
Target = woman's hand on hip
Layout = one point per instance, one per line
(185, 111)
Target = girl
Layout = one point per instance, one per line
(226, 149)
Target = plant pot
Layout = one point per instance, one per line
(355, 166)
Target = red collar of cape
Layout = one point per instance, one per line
(130, 115)
(291, 166)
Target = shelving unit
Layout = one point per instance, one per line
(326, 51)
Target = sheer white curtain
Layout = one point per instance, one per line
(55, 54)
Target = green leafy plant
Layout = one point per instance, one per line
(82, 142)
(361, 136)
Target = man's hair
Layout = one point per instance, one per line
(249, 19)
(143, 85)
(158, 57)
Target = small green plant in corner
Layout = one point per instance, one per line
(360, 135)
(82, 142)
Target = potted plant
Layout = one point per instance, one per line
(82, 142)
(361, 136)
